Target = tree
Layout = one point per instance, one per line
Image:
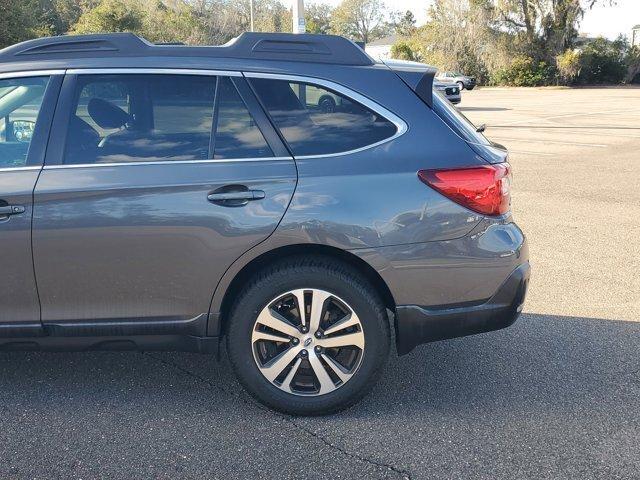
(178, 23)
(604, 61)
(633, 65)
(318, 18)
(568, 65)
(548, 27)
(405, 25)
(459, 37)
(111, 16)
(402, 51)
(361, 20)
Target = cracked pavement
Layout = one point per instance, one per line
(556, 396)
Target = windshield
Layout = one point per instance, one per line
(460, 124)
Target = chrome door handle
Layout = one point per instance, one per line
(247, 195)
(7, 210)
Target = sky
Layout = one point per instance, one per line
(606, 21)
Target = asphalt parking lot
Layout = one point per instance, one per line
(556, 396)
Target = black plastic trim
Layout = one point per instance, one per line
(109, 327)
(38, 146)
(329, 49)
(183, 343)
(416, 325)
(257, 111)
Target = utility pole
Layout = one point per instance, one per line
(299, 25)
(251, 14)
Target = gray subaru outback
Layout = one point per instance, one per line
(164, 197)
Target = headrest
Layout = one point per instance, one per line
(106, 114)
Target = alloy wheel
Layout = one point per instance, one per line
(308, 342)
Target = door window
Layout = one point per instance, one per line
(20, 102)
(317, 121)
(237, 135)
(141, 118)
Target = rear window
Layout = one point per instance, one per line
(317, 121)
(460, 124)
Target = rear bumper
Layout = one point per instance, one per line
(416, 325)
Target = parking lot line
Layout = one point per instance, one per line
(554, 142)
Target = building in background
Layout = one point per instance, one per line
(381, 48)
(635, 36)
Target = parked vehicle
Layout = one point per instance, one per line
(169, 197)
(450, 90)
(463, 81)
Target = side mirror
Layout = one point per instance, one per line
(481, 128)
(23, 130)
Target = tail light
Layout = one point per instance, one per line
(484, 189)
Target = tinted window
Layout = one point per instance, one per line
(237, 135)
(20, 102)
(460, 124)
(133, 118)
(318, 121)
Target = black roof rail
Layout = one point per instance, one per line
(256, 46)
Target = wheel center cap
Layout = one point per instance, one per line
(308, 341)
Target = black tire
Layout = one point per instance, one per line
(327, 104)
(319, 273)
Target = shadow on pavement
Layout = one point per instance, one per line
(549, 397)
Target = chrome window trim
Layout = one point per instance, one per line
(400, 124)
(152, 71)
(157, 71)
(18, 169)
(165, 162)
(33, 73)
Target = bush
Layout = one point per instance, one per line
(603, 61)
(403, 51)
(110, 16)
(523, 72)
(568, 65)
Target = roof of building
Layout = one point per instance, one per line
(384, 41)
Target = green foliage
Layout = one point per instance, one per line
(361, 20)
(633, 65)
(111, 16)
(568, 65)
(318, 18)
(523, 72)
(405, 26)
(402, 51)
(603, 61)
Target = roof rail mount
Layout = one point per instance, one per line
(330, 49)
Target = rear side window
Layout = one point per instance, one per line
(237, 135)
(20, 102)
(317, 121)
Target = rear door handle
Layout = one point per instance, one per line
(246, 196)
(11, 210)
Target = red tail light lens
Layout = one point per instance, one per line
(484, 189)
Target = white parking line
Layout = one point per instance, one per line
(569, 115)
(554, 142)
(526, 152)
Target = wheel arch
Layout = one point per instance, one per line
(220, 310)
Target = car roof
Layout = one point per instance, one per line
(128, 50)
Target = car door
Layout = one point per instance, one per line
(140, 208)
(26, 105)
